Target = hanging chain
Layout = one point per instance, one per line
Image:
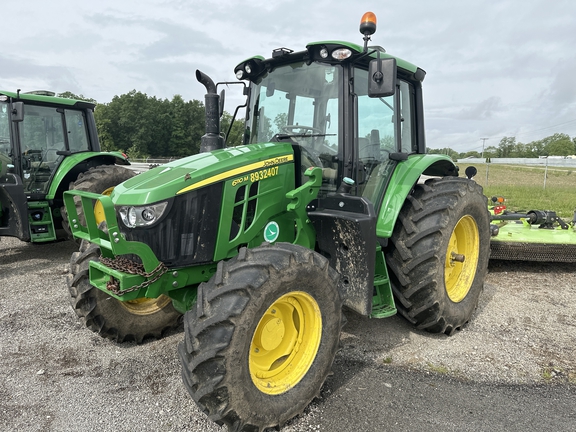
(128, 266)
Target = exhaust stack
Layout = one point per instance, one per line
(211, 140)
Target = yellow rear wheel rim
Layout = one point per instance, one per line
(462, 259)
(285, 343)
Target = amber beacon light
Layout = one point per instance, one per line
(368, 24)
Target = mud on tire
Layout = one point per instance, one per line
(230, 358)
(112, 318)
(442, 222)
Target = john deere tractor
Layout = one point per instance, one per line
(46, 145)
(331, 203)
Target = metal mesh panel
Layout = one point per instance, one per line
(533, 252)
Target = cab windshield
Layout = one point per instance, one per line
(47, 134)
(299, 102)
(306, 103)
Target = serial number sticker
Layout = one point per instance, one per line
(257, 176)
(263, 174)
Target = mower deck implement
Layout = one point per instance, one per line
(533, 236)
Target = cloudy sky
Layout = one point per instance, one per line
(494, 68)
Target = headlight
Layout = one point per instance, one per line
(141, 216)
(341, 54)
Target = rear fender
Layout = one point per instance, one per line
(403, 179)
(77, 163)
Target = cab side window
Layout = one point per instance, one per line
(384, 126)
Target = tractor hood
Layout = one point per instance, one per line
(194, 172)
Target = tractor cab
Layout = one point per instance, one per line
(355, 112)
(46, 142)
(38, 138)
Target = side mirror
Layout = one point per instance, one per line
(18, 111)
(382, 77)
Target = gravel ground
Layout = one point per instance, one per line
(57, 375)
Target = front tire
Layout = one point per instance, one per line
(111, 318)
(262, 336)
(439, 253)
(101, 179)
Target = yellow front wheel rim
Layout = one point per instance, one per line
(461, 259)
(285, 343)
(146, 306)
(99, 209)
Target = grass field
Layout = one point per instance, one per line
(526, 188)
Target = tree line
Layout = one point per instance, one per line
(558, 144)
(144, 126)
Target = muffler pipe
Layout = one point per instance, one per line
(211, 140)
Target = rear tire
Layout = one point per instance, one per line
(111, 318)
(442, 222)
(262, 337)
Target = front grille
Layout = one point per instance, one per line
(187, 233)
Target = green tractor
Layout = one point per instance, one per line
(331, 203)
(47, 145)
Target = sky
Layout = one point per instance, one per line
(494, 68)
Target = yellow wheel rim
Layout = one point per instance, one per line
(285, 343)
(461, 259)
(99, 209)
(146, 306)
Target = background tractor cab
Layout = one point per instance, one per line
(45, 144)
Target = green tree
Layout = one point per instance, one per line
(558, 144)
(178, 142)
(446, 151)
(236, 135)
(490, 152)
(534, 149)
(473, 153)
(70, 95)
(280, 121)
(196, 126)
(106, 127)
(506, 148)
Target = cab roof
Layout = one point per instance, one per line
(45, 99)
(284, 55)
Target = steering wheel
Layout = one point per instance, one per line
(302, 130)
